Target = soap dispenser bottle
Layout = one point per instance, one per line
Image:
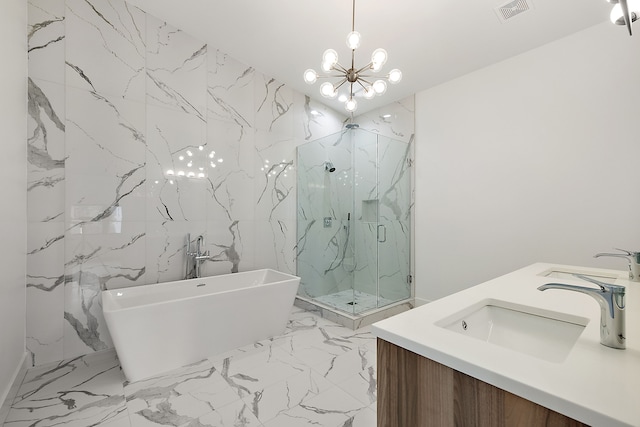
(632, 257)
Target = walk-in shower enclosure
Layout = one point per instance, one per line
(353, 250)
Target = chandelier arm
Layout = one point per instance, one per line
(339, 67)
(331, 76)
(366, 67)
(360, 83)
(364, 80)
(343, 81)
(625, 12)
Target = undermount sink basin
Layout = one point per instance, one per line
(544, 334)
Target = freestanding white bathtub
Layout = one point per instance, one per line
(159, 327)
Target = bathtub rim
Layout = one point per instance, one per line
(109, 292)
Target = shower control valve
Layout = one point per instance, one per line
(327, 221)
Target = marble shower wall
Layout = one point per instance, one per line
(138, 135)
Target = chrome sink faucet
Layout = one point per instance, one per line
(611, 300)
(195, 258)
(632, 257)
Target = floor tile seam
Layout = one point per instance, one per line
(340, 385)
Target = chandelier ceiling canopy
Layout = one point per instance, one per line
(354, 78)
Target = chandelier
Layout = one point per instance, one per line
(355, 78)
(625, 12)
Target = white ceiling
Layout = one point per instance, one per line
(430, 41)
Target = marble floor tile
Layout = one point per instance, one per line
(331, 408)
(284, 395)
(362, 386)
(341, 368)
(79, 392)
(315, 373)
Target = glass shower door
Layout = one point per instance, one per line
(394, 221)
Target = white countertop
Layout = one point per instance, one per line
(596, 385)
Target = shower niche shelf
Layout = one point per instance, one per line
(370, 210)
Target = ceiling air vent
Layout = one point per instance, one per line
(512, 9)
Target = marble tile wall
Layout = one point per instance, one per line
(139, 134)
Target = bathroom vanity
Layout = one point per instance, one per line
(539, 362)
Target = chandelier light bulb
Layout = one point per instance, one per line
(379, 58)
(326, 66)
(369, 93)
(617, 16)
(310, 76)
(379, 87)
(330, 56)
(351, 105)
(395, 76)
(327, 90)
(353, 40)
(343, 98)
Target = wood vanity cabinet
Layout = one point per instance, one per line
(414, 391)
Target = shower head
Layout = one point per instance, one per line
(328, 166)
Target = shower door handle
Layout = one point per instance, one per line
(384, 233)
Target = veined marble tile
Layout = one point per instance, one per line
(275, 172)
(316, 346)
(313, 120)
(45, 328)
(105, 48)
(237, 414)
(45, 37)
(364, 418)
(250, 372)
(230, 171)
(301, 321)
(273, 106)
(178, 397)
(178, 185)
(123, 421)
(325, 257)
(396, 120)
(166, 249)
(340, 368)
(229, 244)
(284, 395)
(176, 69)
(106, 156)
(393, 261)
(99, 372)
(259, 384)
(275, 245)
(394, 179)
(45, 291)
(331, 408)
(362, 386)
(45, 151)
(79, 392)
(230, 91)
(95, 262)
